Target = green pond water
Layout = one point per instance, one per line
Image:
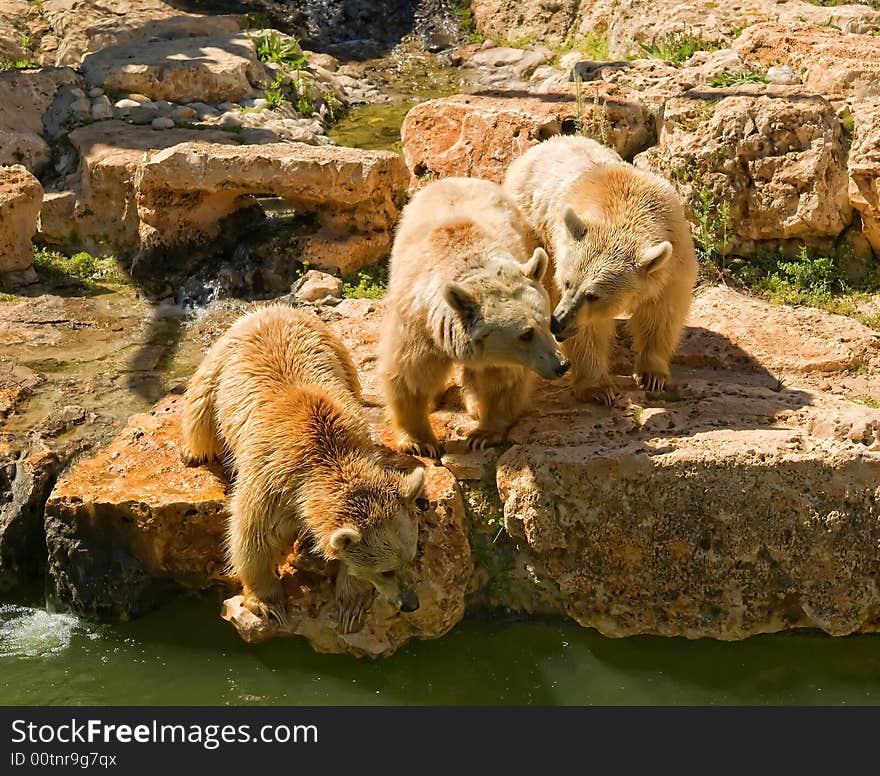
(184, 654)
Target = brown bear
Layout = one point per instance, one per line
(620, 243)
(465, 287)
(279, 394)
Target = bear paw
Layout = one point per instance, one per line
(352, 612)
(651, 382)
(480, 439)
(601, 394)
(190, 459)
(424, 449)
(268, 608)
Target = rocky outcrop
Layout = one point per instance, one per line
(828, 61)
(100, 209)
(185, 192)
(20, 198)
(776, 155)
(479, 135)
(626, 24)
(210, 69)
(742, 500)
(25, 98)
(864, 168)
(134, 524)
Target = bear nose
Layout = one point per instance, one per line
(555, 325)
(563, 367)
(409, 602)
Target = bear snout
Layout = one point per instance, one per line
(409, 601)
(555, 326)
(563, 367)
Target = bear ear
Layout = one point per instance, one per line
(460, 300)
(654, 257)
(576, 227)
(413, 484)
(342, 538)
(536, 266)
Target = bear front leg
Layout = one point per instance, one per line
(252, 557)
(656, 328)
(410, 388)
(589, 351)
(353, 599)
(496, 397)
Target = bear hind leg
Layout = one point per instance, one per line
(199, 424)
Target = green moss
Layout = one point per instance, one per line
(464, 15)
(369, 283)
(868, 401)
(56, 269)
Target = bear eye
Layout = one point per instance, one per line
(591, 297)
(423, 504)
(387, 574)
(527, 336)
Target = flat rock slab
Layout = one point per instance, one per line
(211, 69)
(728, 505)
(104, 208)
(184, 193)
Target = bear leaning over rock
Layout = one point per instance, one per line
(465, 287)
(620, 243)
(279, 395)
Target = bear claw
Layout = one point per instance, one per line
(480, 440)
(601, 394)
(652, 382)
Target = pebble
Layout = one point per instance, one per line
(101, 108)
(126, 104)
(81, 106)
(96, 91)
(163, 107)
(77, 92)
(316, 285)
(184, 113)
(163, 122)
(203, 109)
(782, 74)
(229, 120)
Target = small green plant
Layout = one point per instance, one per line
(593, 46)
(677, 47)
(778, 384)
(271, 48)
(737, 79)
(304, 105)
(713, 229)
(638, 411)
(57, 269)
(274, 91)
(464, 15)
(857, 369)
(868, 401)
(369, 283)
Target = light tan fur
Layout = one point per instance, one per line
(465, 287)
(279, 394)
(620, 243)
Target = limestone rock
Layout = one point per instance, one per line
(314, 286)
(625, 25)
(776, 155)
(479, 135)
(864, 168)
(133, 524)
(110, 153)
(25, 97)
(184, 193)
(88, 27)
(221, 67)
(20, 197)
(829, 61)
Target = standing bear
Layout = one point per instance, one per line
(620, 243)
(465, 287)
(279, 395)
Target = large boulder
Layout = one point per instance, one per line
(776, 155)
(83, 27)
(625, 25)
(828, 61)
(185, 192)
(100, 210)
(20, 197)
(208, 69)
(25, 98)
(864, 167)
(479, 135)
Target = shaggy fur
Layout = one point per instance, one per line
(465, 287)
(279, 394)
(620, 243)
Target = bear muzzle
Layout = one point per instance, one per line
(409, 601)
